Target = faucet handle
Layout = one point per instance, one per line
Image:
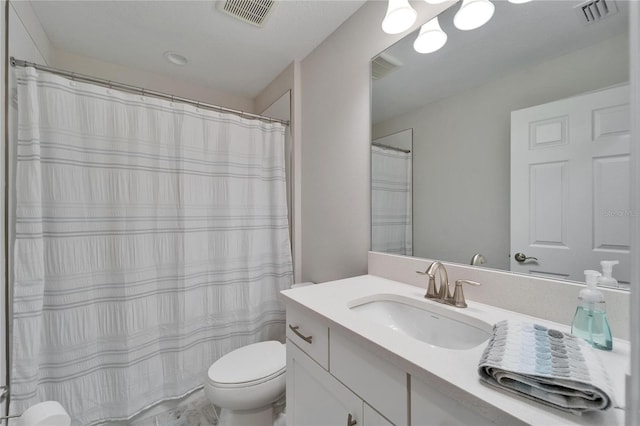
(431, 288)
(458, 294)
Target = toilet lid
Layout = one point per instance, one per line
(249, 363)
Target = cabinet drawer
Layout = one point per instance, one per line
(310, 334)
(381, 384)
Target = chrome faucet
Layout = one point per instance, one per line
(441, 292)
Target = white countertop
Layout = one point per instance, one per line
(456, 368)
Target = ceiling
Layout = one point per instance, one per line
(518, 35)
(223, 53)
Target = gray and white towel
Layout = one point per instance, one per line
(546, 365)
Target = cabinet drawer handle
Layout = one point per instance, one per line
(300, 335)
(351, 421)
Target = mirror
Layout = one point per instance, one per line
(493, 116)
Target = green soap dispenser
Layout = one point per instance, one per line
(590, 320)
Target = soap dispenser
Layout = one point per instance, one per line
(590, 320)
(607, 270)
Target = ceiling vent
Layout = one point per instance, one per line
(383, 65)
(254, 12)
(593, 11)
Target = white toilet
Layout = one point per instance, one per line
(246, 382)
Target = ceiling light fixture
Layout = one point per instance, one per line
(473, 14)
(400, 16)
(431, 37)
(518, 1)
(175, 58)
(435, 1)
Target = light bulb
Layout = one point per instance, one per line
(400, 16)
(431, 37)
(473, 14)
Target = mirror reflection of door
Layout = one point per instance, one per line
(571, 207)
(391, 194)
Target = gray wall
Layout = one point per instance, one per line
(336, 137)
(461, 151)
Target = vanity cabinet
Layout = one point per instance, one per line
(332, 380)
(431, 407)
(315, 397)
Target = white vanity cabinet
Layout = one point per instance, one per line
(432, 408)
(315, 397)
(343, 367)
(332, 380)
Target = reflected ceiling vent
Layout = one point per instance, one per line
(254, 12)
(383, 65)
(593, 11)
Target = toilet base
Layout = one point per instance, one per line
(258, 417)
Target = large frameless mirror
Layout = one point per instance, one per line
(519, 155)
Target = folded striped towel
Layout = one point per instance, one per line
(546, 365)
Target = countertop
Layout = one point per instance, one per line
(453, 371)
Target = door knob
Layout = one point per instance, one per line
(351, 421)
(521, 257)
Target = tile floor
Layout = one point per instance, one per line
(197, 411)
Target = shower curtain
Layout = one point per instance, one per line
(391, 216)
(151, 238)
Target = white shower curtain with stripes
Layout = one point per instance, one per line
(151, 238)
(391, 208)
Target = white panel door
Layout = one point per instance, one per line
(570, 193)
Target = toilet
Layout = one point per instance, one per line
(246, 382)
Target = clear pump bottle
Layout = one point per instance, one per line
(590, 320)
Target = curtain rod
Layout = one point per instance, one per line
(393, 148)
(142, 91)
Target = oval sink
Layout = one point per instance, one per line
(435, 325)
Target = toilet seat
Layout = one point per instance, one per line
(248, 366)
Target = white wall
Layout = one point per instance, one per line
(152, 81)
(462, 144)
(336, 137)
(289, 81)
(27, 41)
(633, 382)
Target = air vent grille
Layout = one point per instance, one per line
(383, 65)
(593, 11)
(254, 12)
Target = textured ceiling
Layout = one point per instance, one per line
(223, 53)
(517, 36)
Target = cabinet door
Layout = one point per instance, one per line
(373, 418)
(314, 397)
(429, 407)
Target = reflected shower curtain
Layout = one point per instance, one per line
(391, 216)
(151, 239)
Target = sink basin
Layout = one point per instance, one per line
(424, 321)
